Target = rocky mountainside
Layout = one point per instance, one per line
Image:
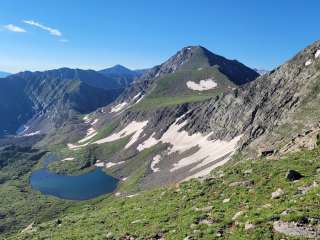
(192, 113)
(48, 99)
(190, 63)
(150, 113)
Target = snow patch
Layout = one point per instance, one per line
(67, 159)
(99, 164)
(155, 162)
(94, 122)
(133, 195)
(308, 62)
(76, 147)
(31, 134)
(151, 141)
(86, 118)
(25, 128)
(317, 54)
(135, 128)
(111, 164)
(119, 107)
(136, 96)
(91, 132)
(209, 151)
(203, 85)
(139, 100)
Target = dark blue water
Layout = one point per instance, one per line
(82, 187)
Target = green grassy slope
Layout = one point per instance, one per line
(172, 89)
(19, 204)
(196, 209)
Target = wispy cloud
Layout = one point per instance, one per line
(14, 28)
(52, 31)
(63, 40)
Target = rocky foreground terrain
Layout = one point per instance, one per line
(204, 148)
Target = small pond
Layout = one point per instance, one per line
(82, 187)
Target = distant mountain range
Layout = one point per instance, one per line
(261, 71)
(4, 74)
(50, 98)
(122, 75)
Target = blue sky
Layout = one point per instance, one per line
(43, 34)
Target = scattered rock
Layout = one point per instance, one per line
(296, 229)
(277, 194)
(220, 232)
(241, 183)
(193, 226)
(136, 221)
(268, 205)
(249, 226)
(109, 235)
(226, 200)
(29, 228)
(58, 221)
(286, 212)
(188, 238)
(267, 153)
(128, 237)
(303, 190)
(237, 215)
(206, 221)
(204, 209)
(248, 171)
(293, 175)
(196, 231)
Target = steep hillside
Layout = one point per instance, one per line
(169, 132)
(245, 199)
(148, 116)
(45, 100)
(192, 74)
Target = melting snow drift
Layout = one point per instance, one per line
(209, 151)
(308, 62)
(32, 134)
(135, 128)
(155, 162)
(203, 85)
(119, 107)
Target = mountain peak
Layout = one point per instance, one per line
(198, 57)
